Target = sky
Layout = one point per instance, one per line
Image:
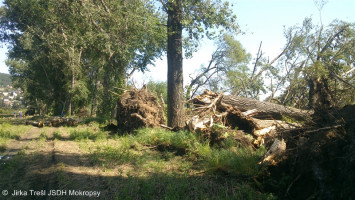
(260, 20)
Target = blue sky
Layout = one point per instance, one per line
(261, 20)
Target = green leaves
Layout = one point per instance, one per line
(210, 18)
(321, 53)
(70, 48)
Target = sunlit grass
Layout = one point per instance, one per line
(159, 164)
(87, 135)
(8, 131)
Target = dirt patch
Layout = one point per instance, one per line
(139, 108)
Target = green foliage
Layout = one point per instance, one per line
(5, 80)
(317, 64)
(206, 18)
(68, 55)
(228, 71)
(158, 89)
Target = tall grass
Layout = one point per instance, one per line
(87, 134)
(237, 161)
(182, 139)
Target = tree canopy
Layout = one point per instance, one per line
(318, 65)
(69, 55)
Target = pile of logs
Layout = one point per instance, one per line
(53, 122)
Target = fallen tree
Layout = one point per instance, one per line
(212, 108)
(260, 109)
(265, 110)
(308, 161)
(55, 122)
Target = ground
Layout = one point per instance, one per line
(151, 164)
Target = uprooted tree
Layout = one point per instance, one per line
(319, 66)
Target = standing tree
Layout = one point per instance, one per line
(65, 53)
(198, 18)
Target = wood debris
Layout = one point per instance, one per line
(211, 108)
(55, 122)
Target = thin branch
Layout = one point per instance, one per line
(330, 40)
(342, 80)
(114, 93)
(282, 53)
(164, 6)
(96, 25)
(129, 75)
(258, 56)
(105, 7)
(201, 84)
(348, 72)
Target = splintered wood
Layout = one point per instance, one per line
(210, 109)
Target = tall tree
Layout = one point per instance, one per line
(68, 51)
(199, 19)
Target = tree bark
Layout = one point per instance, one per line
(265, 109)
(175, 68)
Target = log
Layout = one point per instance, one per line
(265, 110)
(38, 124)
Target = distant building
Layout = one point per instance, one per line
(7, 102)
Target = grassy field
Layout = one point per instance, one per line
(145, 164)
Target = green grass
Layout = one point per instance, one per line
(8, 131)
(152, 164)
(161, 173)
(87, 134)
(157, 144)
(92, 120)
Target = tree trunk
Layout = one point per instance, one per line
(265, 109)
(175, 68)
(70, 105)
(94, 100)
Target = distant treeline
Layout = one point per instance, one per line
(5, 79)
